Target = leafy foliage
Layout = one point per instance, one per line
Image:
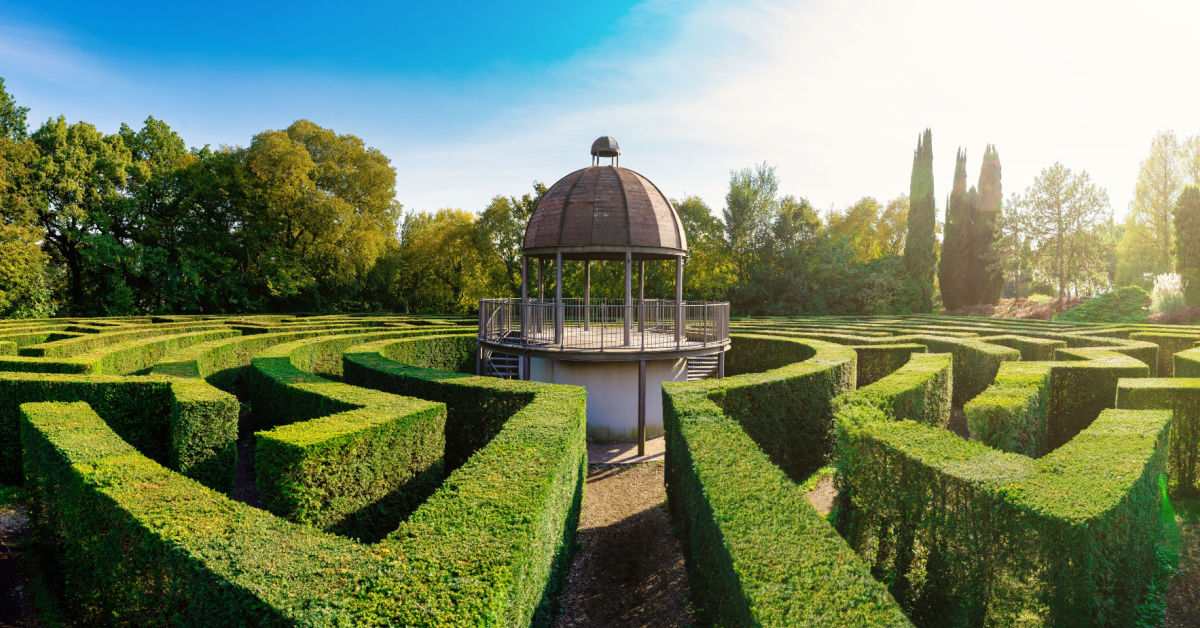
(1123, 305)
(920, 257)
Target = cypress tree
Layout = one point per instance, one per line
(989, 271)
(920, 259)
(955, 273)
(1187, 242)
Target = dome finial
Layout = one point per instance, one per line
(606, 146)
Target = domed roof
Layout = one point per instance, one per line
(601, 212)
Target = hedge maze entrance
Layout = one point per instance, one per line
(397, 488)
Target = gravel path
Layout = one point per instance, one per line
(628, 569)
(16, 605)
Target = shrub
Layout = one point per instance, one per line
(1070, 536)
(1167, 295)
(190, 428)
(1124, 305)
(757, 552)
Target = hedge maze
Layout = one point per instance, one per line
(395, 488)
(987, 472)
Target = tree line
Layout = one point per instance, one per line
(305, 219)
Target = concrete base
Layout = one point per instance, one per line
(612, 397)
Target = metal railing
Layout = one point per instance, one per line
(604, 324)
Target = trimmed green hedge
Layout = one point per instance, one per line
(970, 535)
(757, 552)
(140, 545)
(476, 407)
(1034, 407)
(190, 427)
(323, 355)
(877, 361)
(1182, 397)
(976, 362)
(1032, 349)
(788, 409)
(1187, 363)
(340, 457)
(1168, 345)
(920, 390)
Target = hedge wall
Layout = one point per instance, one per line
(1187, 363)
(757, 552)
(1182, 397)
(476, 407)
(971, 535)
(190, 428)
(323, 355)
(877, 361)
(1034, 407)
(1169, 344)
(1032, 349)
(140, 545)
(919, 390)
(976, 362)
(787, 410)
(340, 457)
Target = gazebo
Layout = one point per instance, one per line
(610, 346)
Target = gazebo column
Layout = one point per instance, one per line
(642, 298)
(628, 297)
(558, 302)
(541, 298)
(523, 367)
(587, 294)
(678, 301)
(641, 427)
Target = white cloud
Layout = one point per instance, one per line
(834, 94)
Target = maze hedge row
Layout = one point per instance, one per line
(986, 472)
(134, 540)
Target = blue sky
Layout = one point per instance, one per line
(470, 100)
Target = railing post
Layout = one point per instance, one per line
(524, 296)
(558, 302)
(678, 301)
(628, 296)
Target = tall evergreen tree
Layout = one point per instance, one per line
(988, 282)
(1187, 241)
(955, 273)
(920, 259)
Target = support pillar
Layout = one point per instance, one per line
(524, 296)
(558, 302)
(721, 365)
(587, 294)
(678, 301)
(641, 408)
(642, 298)
(541, 297)
(628, 297)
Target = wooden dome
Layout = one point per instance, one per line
(602, 212)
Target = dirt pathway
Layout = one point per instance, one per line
(1183, 598)
(628, 569)
(16, 604)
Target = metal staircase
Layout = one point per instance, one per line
(702, 367)
(501, 365)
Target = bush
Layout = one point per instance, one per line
(340, 457)
(1182, 397)
(190, 428)
(1167, 295)
(757, 552)
(1123, 305)
(1069, 537)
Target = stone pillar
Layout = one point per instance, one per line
(678, 301)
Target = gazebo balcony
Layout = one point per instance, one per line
(604, 325)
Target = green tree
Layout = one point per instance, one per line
(1187, 241)
(708, 274)
(323, 211)
(1067, 216)
(864, 229)
(750, 208)
(893, 226)
(956, 268)
(920, 257)
(442, 267)
(81, 174)
(1160, 178)
(987, 281)
(1136, 254)
(1015, 246)
(501, 230)
(25, 290)
(12, 117)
